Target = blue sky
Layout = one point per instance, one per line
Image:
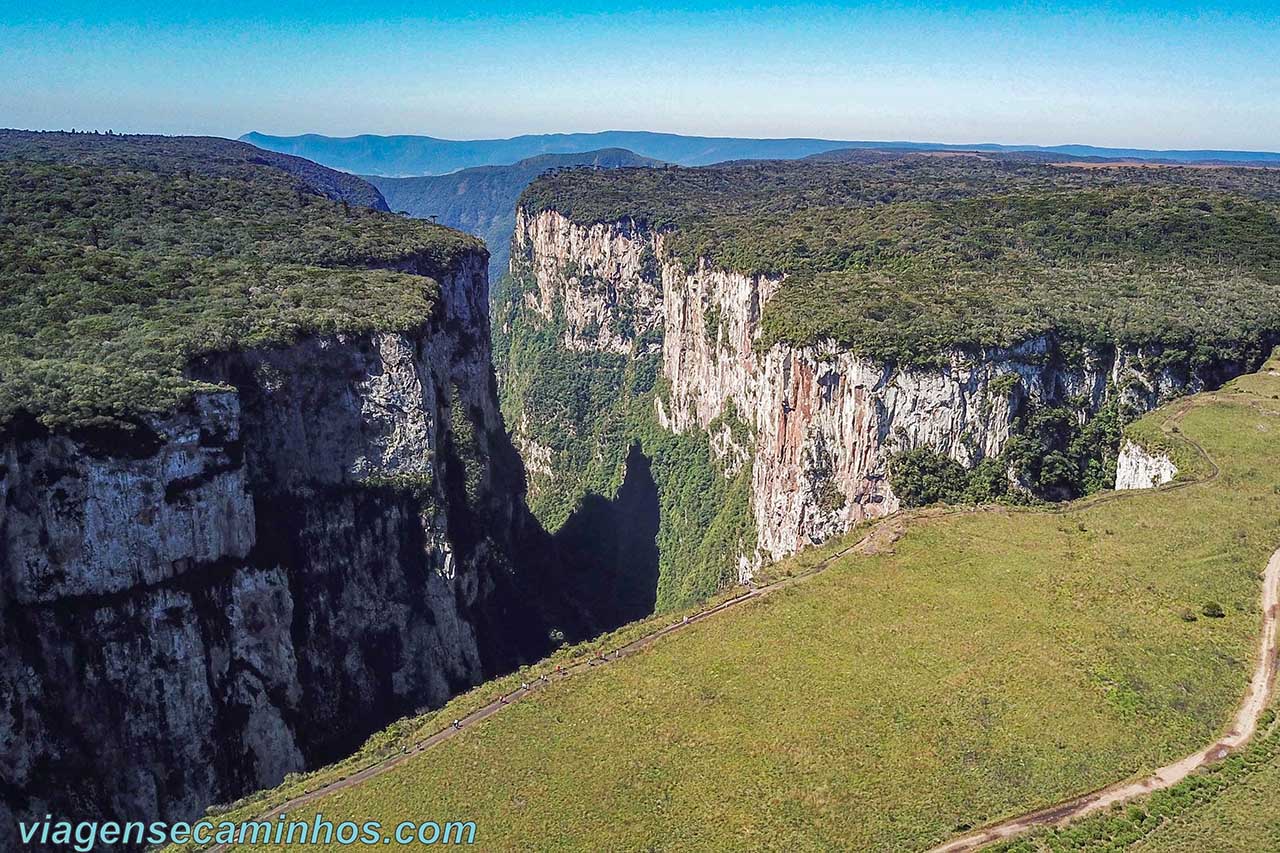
(1158, 74)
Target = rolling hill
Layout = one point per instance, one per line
(949, 670)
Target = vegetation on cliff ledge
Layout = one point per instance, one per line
(964, 667)
(122, 259)
(1053, 452)
(903, 258)
(588, 409)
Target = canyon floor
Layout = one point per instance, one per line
(963, 669)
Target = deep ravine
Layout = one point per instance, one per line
(252, 585)
(799, 437)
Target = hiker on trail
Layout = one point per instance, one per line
(524, 685)
(457, 724)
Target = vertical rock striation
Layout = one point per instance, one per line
(251, 585)
(817, 424)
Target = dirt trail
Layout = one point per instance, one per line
(881, 536)
(1242, 728)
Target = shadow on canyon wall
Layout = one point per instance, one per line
(610, 549)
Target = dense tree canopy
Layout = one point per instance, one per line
(902, 257)
(117, 269)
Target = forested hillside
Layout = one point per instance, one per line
(125, 257)
(209, 155)
(904, 258)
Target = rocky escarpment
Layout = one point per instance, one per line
(816, 425)
(250, 585)
(1136, 468)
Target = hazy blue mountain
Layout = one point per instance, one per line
(482, 200)
(426, 155)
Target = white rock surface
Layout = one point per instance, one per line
(1138, 469)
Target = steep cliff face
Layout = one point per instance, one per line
(816, 425)
(250, 585)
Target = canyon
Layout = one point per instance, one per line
(378, 489)
(815, 426)
(246, 587)
(326, 533)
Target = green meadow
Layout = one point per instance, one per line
(979, 665)
(1229, 807)
(1245, 818)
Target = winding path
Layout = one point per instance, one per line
(1246, 721)
(1243, 727)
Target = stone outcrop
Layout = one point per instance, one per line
(1136, 468)
(817, 424)
(249, 586)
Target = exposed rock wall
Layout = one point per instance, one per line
(1138, 469)
(253, 584)
(816, 423)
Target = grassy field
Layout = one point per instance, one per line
(1244, 818)
(986, 664)
(1229, 807)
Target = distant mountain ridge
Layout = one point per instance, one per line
(409, 155)
(482, 200)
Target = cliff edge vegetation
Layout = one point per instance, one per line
(901, 258)
(124, 259)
